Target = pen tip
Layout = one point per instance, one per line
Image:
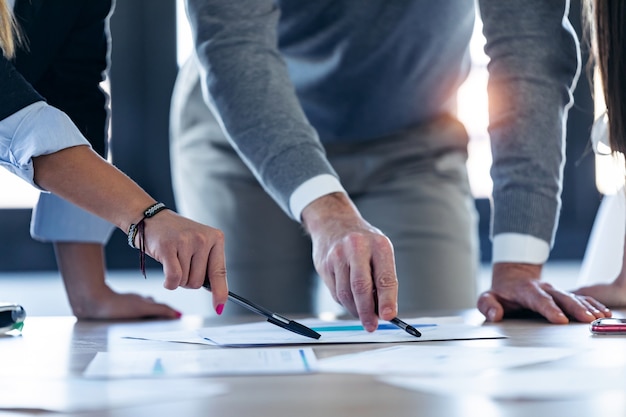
(412, 330)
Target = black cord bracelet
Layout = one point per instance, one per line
(139, 228)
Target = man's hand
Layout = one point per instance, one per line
(517, 287)
(354, 259)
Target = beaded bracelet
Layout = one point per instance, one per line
(139, 228)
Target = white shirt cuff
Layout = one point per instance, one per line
(519, 248)
(311, 190)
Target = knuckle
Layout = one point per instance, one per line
(200, 240)
(336, 254)
(219, 272)
(355, 239)
(383, 242)
(219, 236)
(344, 297)
(173, 280)
(386, 280)
(361, 285)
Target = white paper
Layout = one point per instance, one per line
(267, 334)
(201, 363)
(439, 360)
(535, 384)
(177, 336)
(79, 394)
(332, 332)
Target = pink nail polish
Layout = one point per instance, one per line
(179, 314)
(219, 309)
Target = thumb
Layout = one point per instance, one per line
(490, 307)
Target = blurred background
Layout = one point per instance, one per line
(150, 40)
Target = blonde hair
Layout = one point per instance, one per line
(9, 33)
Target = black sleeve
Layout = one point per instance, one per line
(15, 92)
(67, 59)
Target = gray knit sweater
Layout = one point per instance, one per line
(284, 77)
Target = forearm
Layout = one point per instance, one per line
(82, 177)
(534, 66)
(250, 92)
(83, 271)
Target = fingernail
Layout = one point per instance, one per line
(387, 311)
(219, 309)
(179, 314)
(491, 314)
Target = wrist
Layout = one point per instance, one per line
(134, 213)
(514, 270)
(328, 209)
(138, 231)
(148, 213)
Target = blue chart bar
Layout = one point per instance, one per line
(382, 326)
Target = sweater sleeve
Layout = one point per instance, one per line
(15, 91)
(534, 66)
(246, 83)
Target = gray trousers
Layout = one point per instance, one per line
(413, 186)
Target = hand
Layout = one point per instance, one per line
(109, 305)
(612, 295)
(354, 259)
(517, 287)
(82, 268)
(190, 253)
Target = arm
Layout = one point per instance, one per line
(248, 88)
(353, 258)
(534, 67)
(246, 84)
(612, 294)
(62, 162)
(189, 251)
(66, 61)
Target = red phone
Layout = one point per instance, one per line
(607, 326)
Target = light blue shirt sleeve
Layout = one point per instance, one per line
(37, 129)
(56, 220)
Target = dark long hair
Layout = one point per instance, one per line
(607, 21)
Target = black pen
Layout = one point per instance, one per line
(273, 318)
(406, 327)
(396, 321)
